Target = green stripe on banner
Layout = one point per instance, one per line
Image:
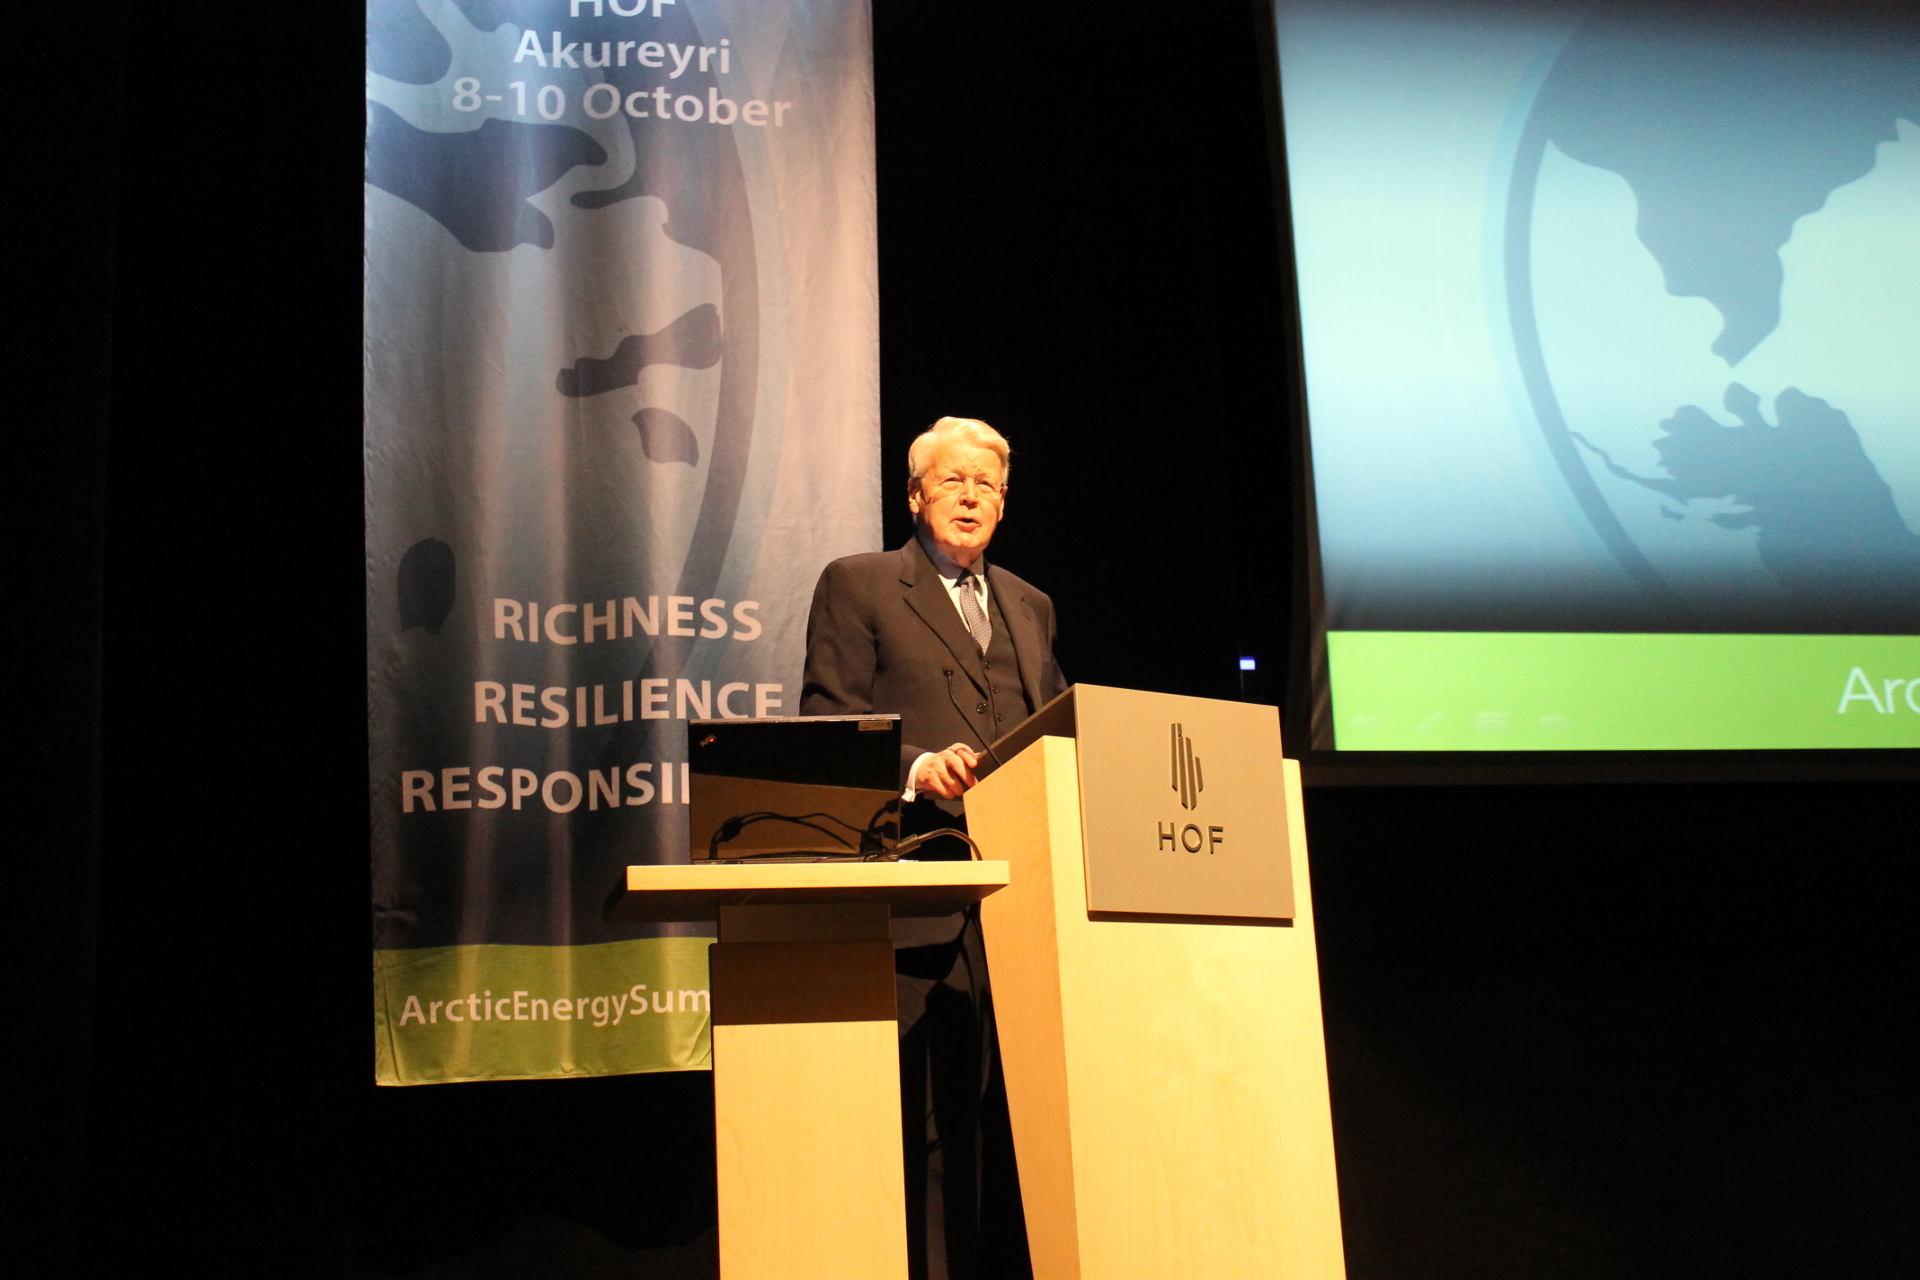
(493, 1012)
(1522, 691)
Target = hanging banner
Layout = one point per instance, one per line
(621, 344)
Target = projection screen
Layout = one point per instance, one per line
(1610, 331)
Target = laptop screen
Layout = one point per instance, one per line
(806, 787)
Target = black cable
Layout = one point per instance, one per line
(730, 829)
(911, 843)
(872, 838)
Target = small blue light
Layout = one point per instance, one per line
(1248, 664)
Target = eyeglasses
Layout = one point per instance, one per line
(954, 486)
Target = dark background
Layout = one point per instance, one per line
(1647, 1030)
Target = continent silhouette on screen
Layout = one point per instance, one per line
(475, 183)
(485, 15)
(402, 45)
(666, 437)
(1727, 138)
(692, 341)
(425, 582)
(1829, 531)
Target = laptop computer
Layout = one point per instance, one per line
(794, 788)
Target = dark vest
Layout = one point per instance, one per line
(1006, 704)
(991, 697)
(991, 716)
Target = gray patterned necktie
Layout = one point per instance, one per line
(972, 614)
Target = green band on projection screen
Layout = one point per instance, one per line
(1482, 691)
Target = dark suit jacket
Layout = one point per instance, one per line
(884, 636)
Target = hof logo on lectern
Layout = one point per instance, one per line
(1187, 779)
(1221, 851)
(1188, 782)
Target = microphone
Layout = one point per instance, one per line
(948, 672)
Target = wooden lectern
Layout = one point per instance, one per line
(806, 1057)
(1157, 993)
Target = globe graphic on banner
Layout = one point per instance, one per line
(1712, 262)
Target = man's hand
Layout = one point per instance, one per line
(948, 774)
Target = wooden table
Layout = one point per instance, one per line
(806, 1074)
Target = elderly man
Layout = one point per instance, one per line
(963, 652)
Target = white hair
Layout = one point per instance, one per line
(971, 430)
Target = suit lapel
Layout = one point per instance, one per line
(1024, 629)
(927, 596)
